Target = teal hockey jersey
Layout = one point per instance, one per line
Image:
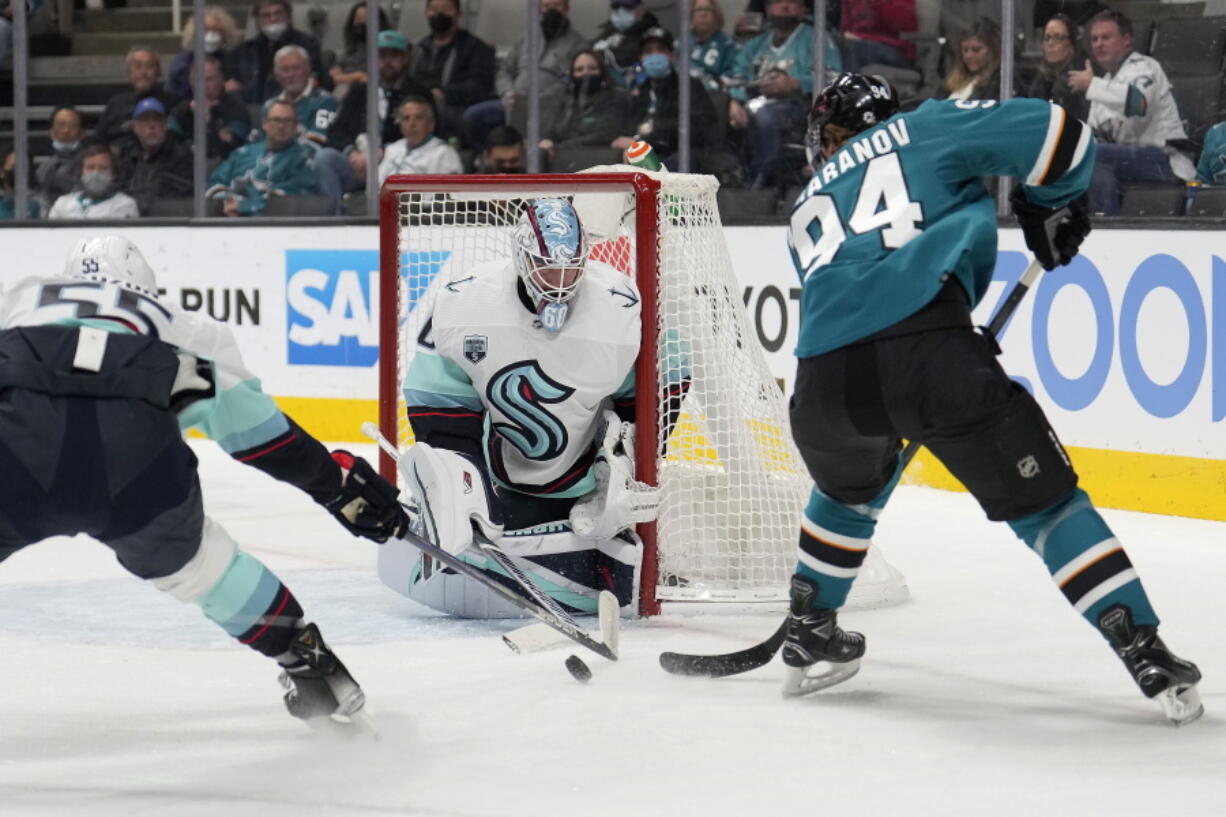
(903, 205)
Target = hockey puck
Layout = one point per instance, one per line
(581, 672)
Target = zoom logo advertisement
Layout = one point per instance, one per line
(332, 303)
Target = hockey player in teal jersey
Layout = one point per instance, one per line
(894, 240)
(99, 376)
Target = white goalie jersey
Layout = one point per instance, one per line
(483, 355)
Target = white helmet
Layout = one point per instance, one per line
(550, 251)
(112, 257)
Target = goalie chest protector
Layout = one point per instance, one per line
(543, 391)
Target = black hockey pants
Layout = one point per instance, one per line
(943, 387)
(115, 468)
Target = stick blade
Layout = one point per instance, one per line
(720, 666)
(609, 614)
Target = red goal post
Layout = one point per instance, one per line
(732, 483)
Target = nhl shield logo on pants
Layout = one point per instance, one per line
(475, 347)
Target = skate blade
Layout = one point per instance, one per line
(798, 682)
(1181, 707)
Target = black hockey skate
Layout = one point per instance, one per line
(814, 636)
(317, 685)
(1160, 674)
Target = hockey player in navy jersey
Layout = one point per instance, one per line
(97, 377)
(894, 240)
(521, 398)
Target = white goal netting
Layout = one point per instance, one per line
(733, 484)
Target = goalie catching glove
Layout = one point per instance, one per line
(1053, 235)
(367, 503)
(619, 500)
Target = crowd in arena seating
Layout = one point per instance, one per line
(287, 120)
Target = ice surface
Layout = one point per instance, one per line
(983, 695)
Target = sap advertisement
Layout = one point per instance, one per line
(1125, 348)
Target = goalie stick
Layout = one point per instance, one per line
(759, 655)
(540, 605)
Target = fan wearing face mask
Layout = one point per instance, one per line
(655, 101)
(457, 67)
(97, 194)
(594, 112)
(620, 38)
(249, 67)
(561, 43)
(221, 35)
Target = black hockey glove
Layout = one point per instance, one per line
(1053, 235)
(367, 504)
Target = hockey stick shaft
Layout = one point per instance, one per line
(540, 605)
(529, 606)
(718, 666)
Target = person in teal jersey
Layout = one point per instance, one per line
(894, 240)
(1212, 166)
(279, 165)
(772, 78)
(713, 51)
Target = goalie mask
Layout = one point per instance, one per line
(113, 258)
(854, 102)
(550, 251)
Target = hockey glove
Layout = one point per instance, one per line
(619, 500)
(367, 504)
(1053, 235)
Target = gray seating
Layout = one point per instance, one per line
(1200, 101)
(292, 206)
(1210, 202)
(1190, 46)
(745, 205)
(1155, 201)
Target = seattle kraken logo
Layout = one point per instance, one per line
(520, 392)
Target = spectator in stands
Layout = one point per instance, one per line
(1212, 166)
(221, 35)
(250, 66)
(620, 38)
(871, 30)
(228, 123)
(8, 189)
(1133, 114)
(560, 46)
(144, 70)
(350, 67)
(504, 152)
(713, 51)
(155, 165)
(772, 80)
(1061, 53)
(595, 111)
(655, 113)
(348, 131)
(277, 165)
(457, 67)
(976, 66)
(62, 170)
(97, 194)
(420, 151)
(316, 108)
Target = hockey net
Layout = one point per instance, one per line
(733, 484)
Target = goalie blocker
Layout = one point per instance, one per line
(451, 496)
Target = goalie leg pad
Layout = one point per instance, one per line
(452, 494)
(568, 568)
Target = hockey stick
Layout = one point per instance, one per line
(540, 605)
(759, 655)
